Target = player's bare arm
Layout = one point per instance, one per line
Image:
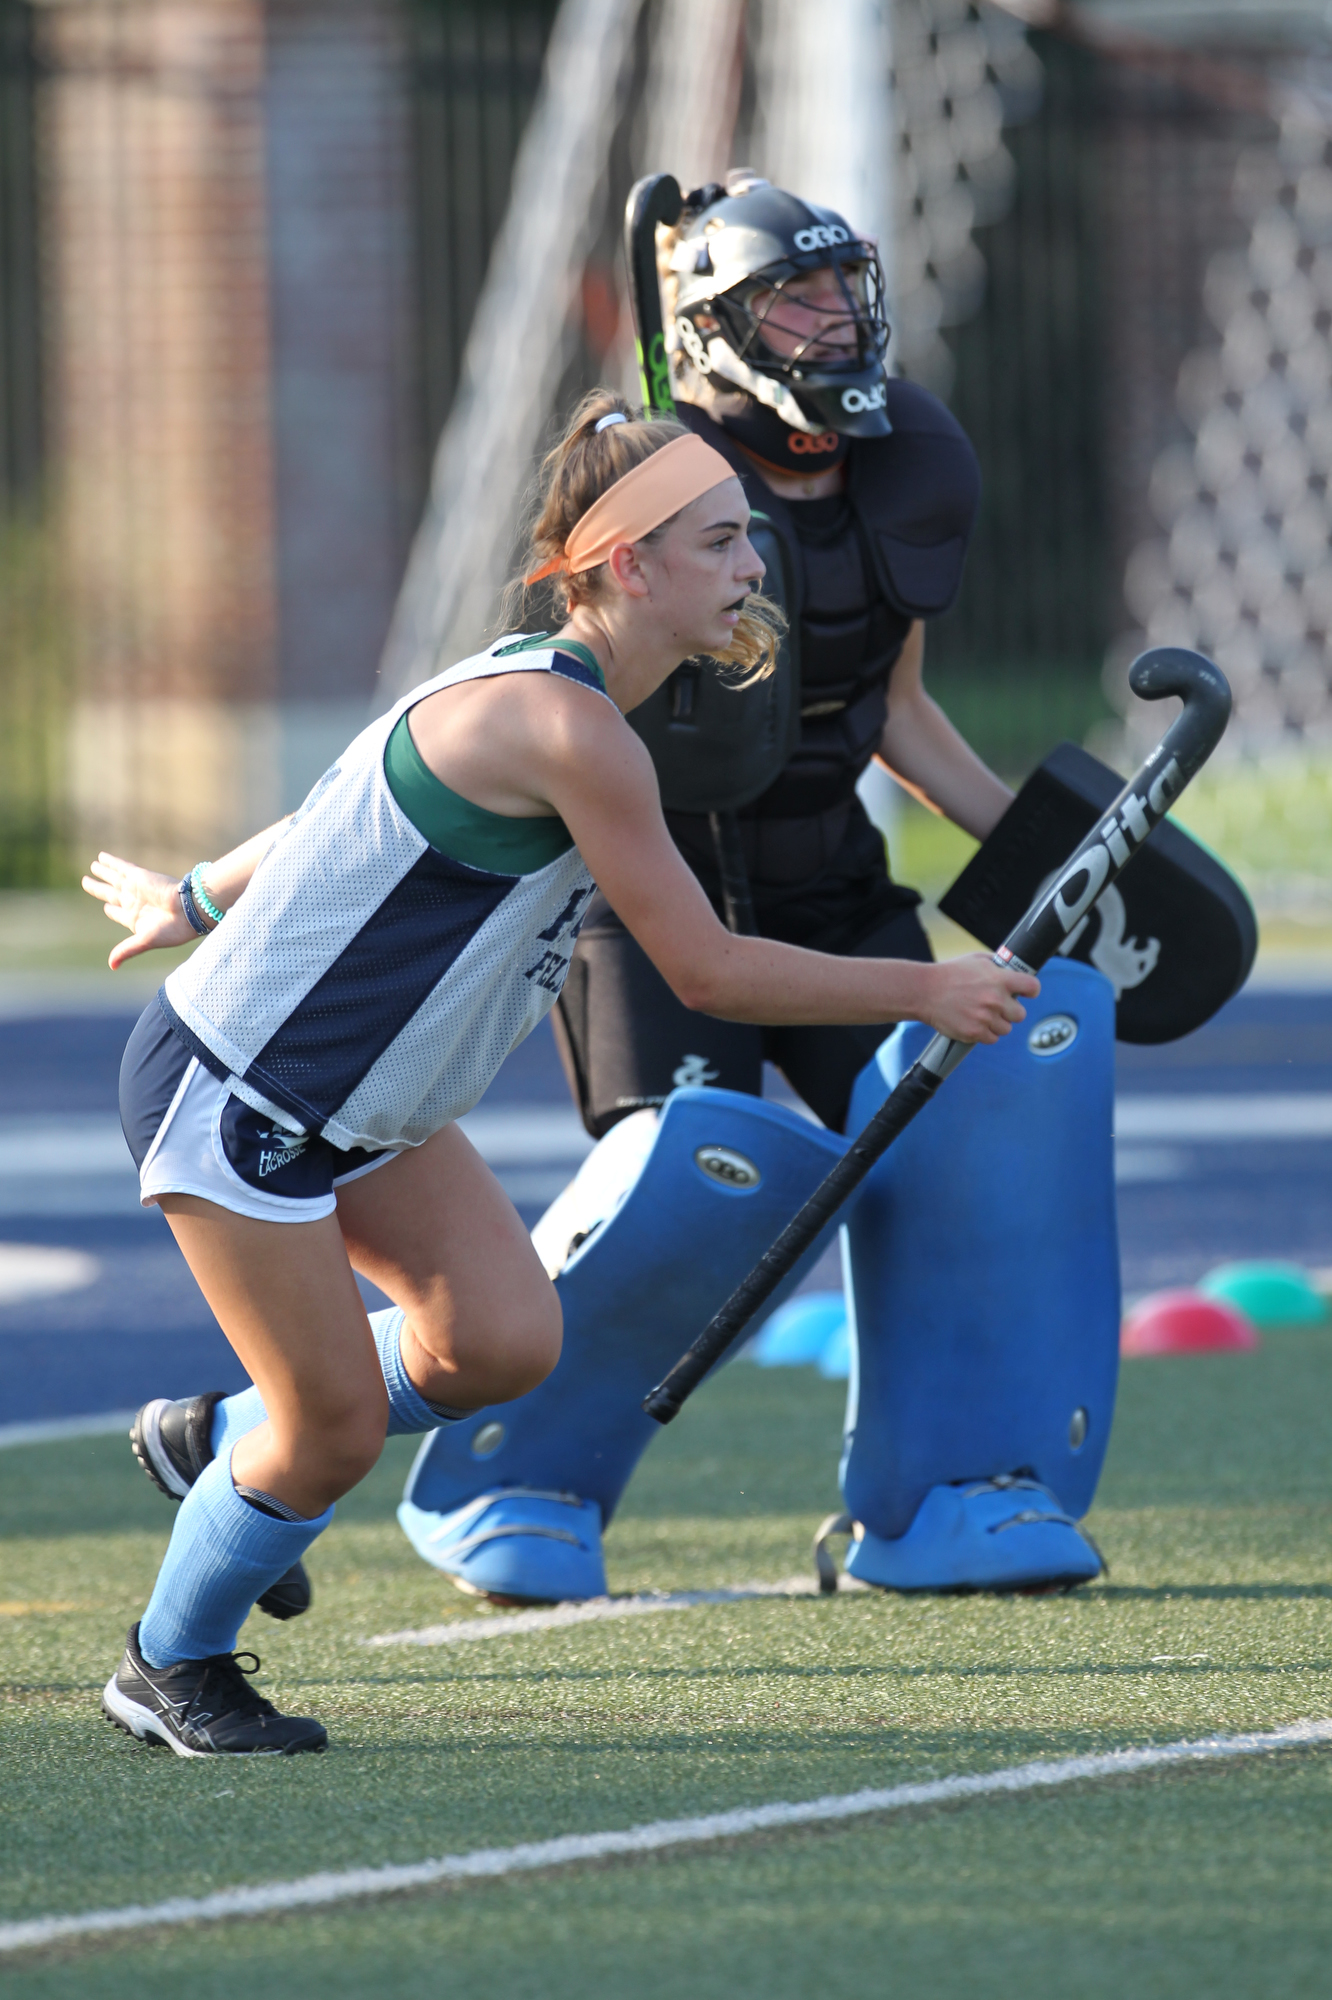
(929, 758)
(600, 779)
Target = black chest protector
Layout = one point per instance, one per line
(857, 569)
(849, 637)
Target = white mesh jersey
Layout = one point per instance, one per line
(367, 986)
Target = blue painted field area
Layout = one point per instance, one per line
(1225, 1151)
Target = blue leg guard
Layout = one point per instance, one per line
(662, 1222)
(983, 1280)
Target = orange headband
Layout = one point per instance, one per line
(639, 501)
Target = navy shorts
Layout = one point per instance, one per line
(190, 1134)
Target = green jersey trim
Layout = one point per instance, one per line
(465, 832)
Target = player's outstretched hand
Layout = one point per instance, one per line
(975, 1000)
(147, 904)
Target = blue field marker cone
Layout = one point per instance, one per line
(799, 1333)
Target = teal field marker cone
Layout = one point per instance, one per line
(1270, 1293)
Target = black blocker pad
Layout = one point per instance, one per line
(1175, 935)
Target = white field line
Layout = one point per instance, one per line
(548, 1136)
(311, 1891)
(63, 1143)
(464, 1630)
(524, 1135)
(31, 1271)
(1225, 1118)
(55, 1430)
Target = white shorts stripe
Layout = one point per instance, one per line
(187, 1157)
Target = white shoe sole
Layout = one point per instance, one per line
(142, 1723)
(150, 1439)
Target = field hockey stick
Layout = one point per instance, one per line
(1055, 914)
(657, 199)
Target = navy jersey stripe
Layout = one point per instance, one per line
(371, 991)
(571, 668)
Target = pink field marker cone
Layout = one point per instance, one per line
(1185, 1322)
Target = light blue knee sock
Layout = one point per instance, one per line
(409, 1412)
(233, 1417)
(223, 1554)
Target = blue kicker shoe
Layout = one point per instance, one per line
(664, 1219)
(996, 1534)
(517, 1546)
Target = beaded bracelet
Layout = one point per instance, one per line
(187, 904)
(201, 895)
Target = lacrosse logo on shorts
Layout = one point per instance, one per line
(274, 1161)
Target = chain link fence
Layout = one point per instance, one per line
(1240, 561)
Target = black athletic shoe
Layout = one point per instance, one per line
(203, 1708)
(172, 1442)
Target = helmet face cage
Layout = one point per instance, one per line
(860, 280)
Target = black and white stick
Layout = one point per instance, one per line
(1106, 851)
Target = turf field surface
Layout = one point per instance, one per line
(1215, 1619)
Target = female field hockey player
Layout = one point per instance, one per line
(291, 1095)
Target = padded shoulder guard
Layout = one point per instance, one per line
(716, 746)
(1175, 936)
(917, 493)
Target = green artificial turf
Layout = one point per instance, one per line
(1214, 1511)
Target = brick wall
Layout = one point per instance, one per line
(229, 385)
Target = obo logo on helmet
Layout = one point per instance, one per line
(692, 342)
(856, 401)
(822, 236)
